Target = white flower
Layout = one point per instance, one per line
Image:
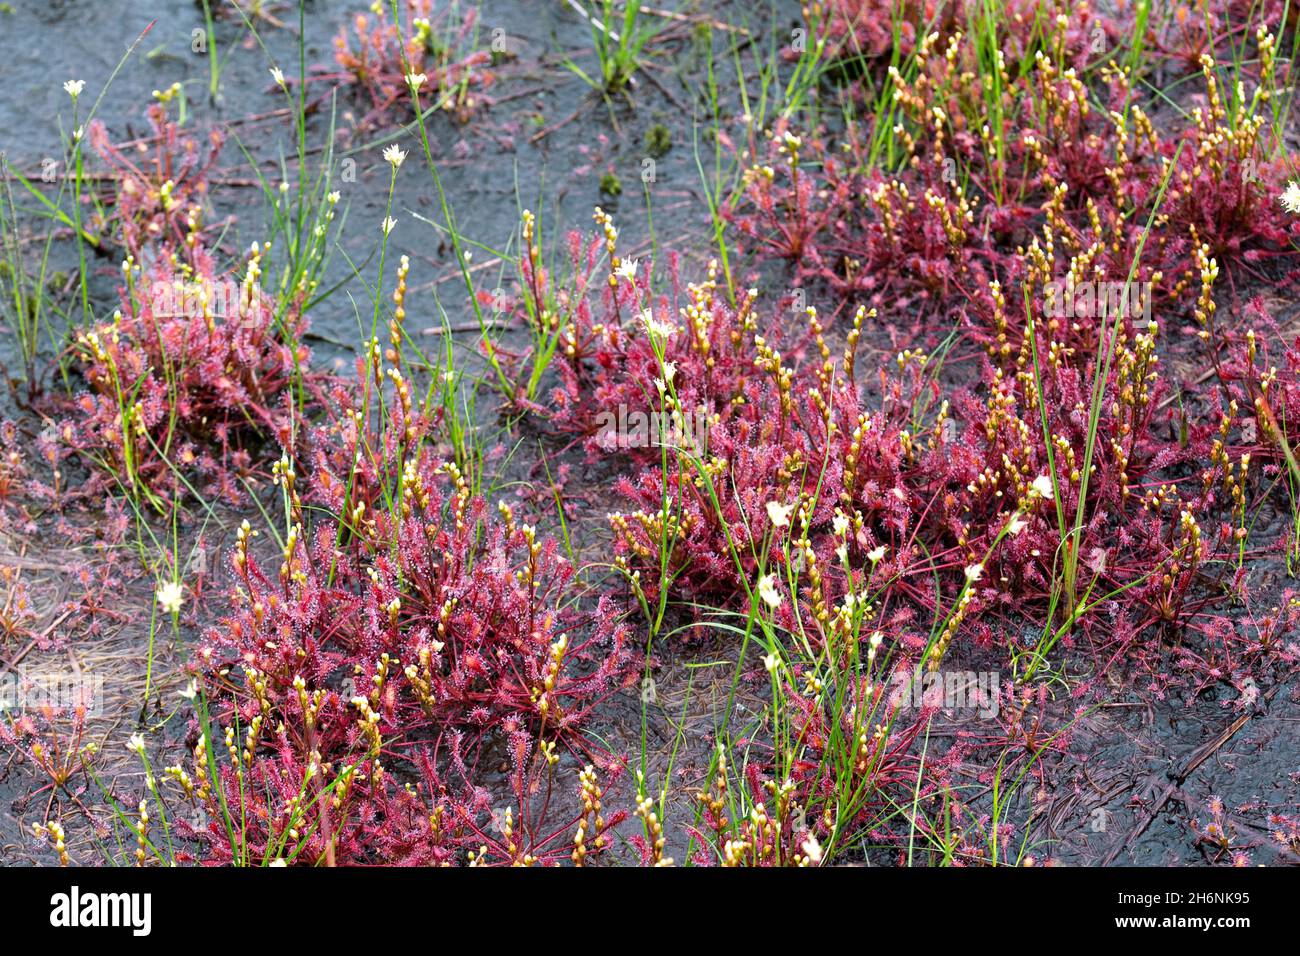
(277, 74)
(1041, 487)
(876, 640)
(768, 592)
(415, 81)
(136, 744)
(974, 572)
(74, 87)
(395, 154)
(661, 329)
(779, 514)
(1291, 198)
(191, 690)
(170, 597)
(1018, 524)
(670, 369)
(279, 861)
(388, 224)
(627, 270)
(812, 849)
(840, 524)
(877, 555)
(771, 662)
(334, 197)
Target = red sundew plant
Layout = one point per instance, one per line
(1218, 835)
(54, 741)
(866, 28)
(852, 739)
(758, 429)
(13, 472)
(1284, 831)
(1225, 191)
(162, 182)
(1123, 211)
(981, 169)
(617, 348)
(16, 616)
(1265, 399)
(373, 683)
(864, 235)
(189, 371)
(874, 29)
(379, 55)
(1214, 27)
(324, 665)
(720, 393)
(992, 478)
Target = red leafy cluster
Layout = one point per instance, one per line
(190, 372)
(861, 464)
(197, 367)
(966, 196)
(408, 670)
(377, 55)
(868, 28)
(161, 183)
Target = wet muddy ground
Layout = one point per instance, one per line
(1136, 775)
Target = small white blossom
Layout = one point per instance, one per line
(395, 155)
(1290, 198)
(388, 224)
(170, 597)
(1042, 487)
(771, 662)
(974, 572)
(136, 744)
(840, 524)
(812, 849)
(74, 87)
(877, 555)
(627, 270)
(656, 328)
(768, 592)
(277, 74)
(1018, 524)
(415, 81)
(779, 514)
(191, 690)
